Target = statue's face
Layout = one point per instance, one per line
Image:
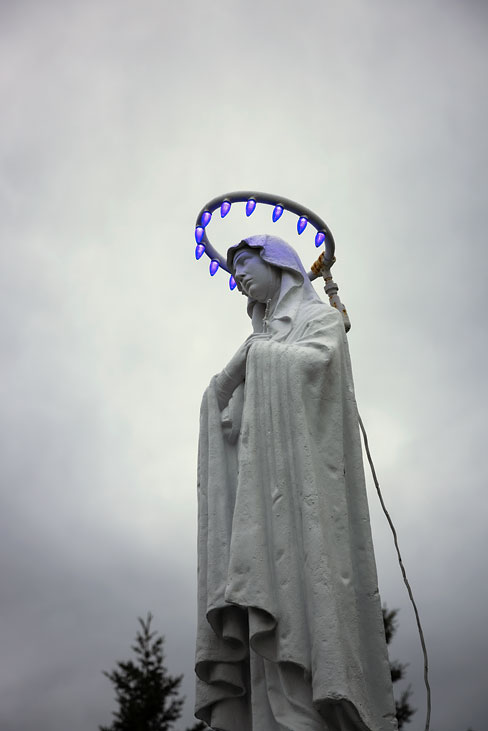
(257, 279)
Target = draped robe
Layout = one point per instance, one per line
(290, 631)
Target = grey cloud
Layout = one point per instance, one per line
(118, 124)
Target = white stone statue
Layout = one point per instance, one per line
(290, 629)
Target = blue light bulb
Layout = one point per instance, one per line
(319, 238)
(302, 224)
(206, 218)
(224, 208)
(250, 206)
(199, 251)
(214, 265)
(277, 213)
(199, 231)
(232, 283)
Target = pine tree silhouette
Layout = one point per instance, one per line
(147, 696)
(404, 711)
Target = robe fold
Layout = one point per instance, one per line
(290, 630)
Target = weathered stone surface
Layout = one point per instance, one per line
(290, 631)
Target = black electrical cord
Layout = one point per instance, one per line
(404, 574)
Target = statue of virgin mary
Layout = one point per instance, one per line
(290, 631)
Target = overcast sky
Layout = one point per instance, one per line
(119, 121)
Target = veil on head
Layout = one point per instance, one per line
(295, 284)
(272, 250)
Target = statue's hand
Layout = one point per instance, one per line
(235, 371)
(237, 366)
(254, 338)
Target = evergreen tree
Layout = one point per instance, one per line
(146, 694)
(404, 710)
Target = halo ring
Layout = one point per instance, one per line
(244, 196)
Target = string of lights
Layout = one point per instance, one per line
(323, 235)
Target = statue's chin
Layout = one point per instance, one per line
(259, 294)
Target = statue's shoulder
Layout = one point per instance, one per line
(323, 313)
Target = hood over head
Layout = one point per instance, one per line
(296, 288)
(273, 250)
